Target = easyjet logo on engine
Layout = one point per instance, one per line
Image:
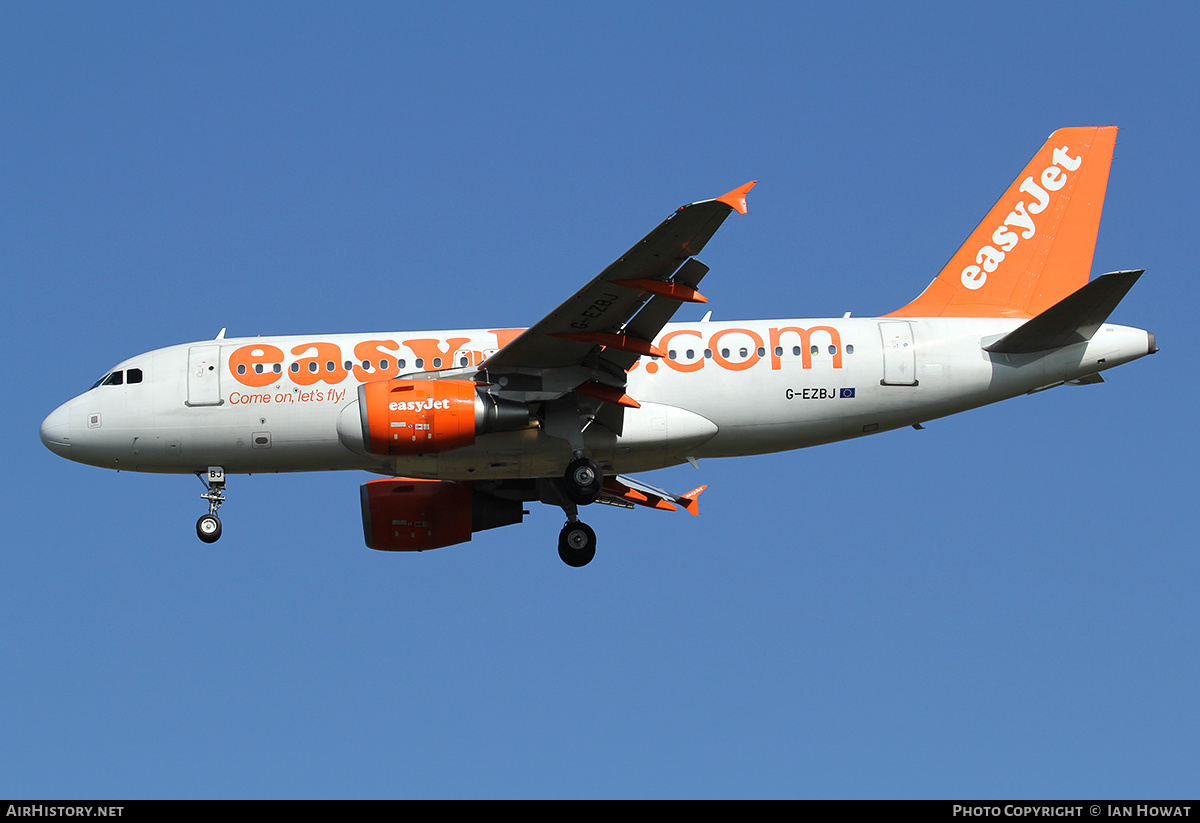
(1020, 224)
(418, 405)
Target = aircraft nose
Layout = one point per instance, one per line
(56, 431)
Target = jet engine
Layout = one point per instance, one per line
(414, 515)
(406, 417)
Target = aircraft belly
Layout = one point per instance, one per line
(654, 436)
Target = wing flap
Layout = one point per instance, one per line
(656, 313)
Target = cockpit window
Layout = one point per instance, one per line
(117, 378)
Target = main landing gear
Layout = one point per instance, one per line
(583, 480)
(208, 527)
(576, 543)
(581, 484)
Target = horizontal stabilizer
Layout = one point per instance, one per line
(1074, 319)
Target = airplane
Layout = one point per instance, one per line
(466, 426)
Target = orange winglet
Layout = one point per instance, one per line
(665, 288)
(736, 199)
(621, 342)
(607, 394)
(693, 505)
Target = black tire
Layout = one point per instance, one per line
(577, 544)
(208, 528)
(583, 481)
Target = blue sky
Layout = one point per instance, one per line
(1001, 605)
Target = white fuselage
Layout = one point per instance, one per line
(277, 404)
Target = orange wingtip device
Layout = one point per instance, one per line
(692, 505)
(736, 199)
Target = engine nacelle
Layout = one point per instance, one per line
(414, 515)
(404, 417)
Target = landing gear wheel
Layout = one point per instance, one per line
(577, 544)
(583, 481)
(208, 528)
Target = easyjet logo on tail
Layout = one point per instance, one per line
(1020, 223)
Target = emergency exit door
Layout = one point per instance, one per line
(899, 354)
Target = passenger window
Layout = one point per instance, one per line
(849, 348)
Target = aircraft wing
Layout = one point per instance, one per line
(625, 491)
(610, 322)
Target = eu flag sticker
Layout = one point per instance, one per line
(846, 392)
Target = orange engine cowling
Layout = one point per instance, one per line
(417, 416)
(414, 515)
(403, 417)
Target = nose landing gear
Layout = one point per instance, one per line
(208, 527)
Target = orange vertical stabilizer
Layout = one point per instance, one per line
(1035, 246)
